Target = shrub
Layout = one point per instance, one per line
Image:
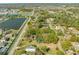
(66, 45)
(40, 39)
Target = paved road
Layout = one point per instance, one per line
(18, 38)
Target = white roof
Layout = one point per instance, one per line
(76, 45)
(30, 49)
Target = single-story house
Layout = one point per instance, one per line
(30, 49)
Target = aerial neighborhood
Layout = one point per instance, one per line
(40, 30)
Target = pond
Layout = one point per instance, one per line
(12, 24)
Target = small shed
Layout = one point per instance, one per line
(30, 49)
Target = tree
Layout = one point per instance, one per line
(40, 39)
(56, 52)
(19, 52)
(44, 49)
(32, 31)
(41, 19)
(74, 38)
(52, 38)
(66, 45)
(40, 25)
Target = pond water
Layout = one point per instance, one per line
(12, 24)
